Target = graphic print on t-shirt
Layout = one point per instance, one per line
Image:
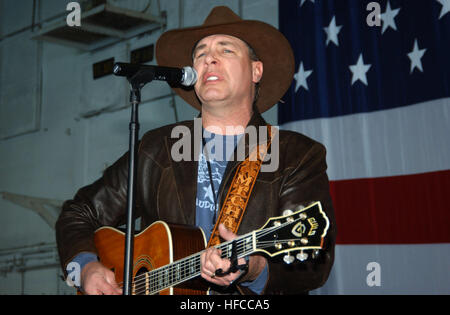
(205, 196)
(217, 147)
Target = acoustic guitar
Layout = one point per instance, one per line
(167, 256)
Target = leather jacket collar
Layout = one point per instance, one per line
(186, 171)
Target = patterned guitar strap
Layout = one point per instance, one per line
(240, 189)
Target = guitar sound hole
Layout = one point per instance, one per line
(141, 286)
(141, 271)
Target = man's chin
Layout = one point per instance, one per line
(212, 99)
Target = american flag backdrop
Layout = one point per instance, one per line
(378, 98)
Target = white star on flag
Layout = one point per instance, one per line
(332, 32)
(445, 7)
(416, 56)
(360, 70)
(301, 77)
(303, 1)
(388, 18)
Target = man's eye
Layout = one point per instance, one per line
(227, 51)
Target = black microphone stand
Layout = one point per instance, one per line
(137, 82)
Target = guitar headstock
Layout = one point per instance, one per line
(300, 231)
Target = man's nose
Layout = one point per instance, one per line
(210, 58)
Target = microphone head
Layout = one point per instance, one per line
(189, 76)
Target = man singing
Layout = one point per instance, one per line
(244, 68)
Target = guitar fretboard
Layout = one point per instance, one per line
(185, 269)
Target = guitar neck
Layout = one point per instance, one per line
(303, 230)
(188, 268)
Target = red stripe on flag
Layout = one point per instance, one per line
(408, 209)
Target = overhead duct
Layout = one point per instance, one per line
(101, 25)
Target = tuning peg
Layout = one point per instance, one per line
(287, 213)
(288, 259)
(302, 256)
(315, 253)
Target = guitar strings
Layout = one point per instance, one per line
(145, 282)
(182, 263)
(164, 279)
(156, 284)
(164, 276)
(152, 287)
(169, 281)
(223, 246)
(146, 288)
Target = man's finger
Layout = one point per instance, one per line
(110, 278)
(225, 233)
(107, 288)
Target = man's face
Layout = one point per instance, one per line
(226, 75)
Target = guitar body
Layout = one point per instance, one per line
(158, 245)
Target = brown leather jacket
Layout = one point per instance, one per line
(166, 190)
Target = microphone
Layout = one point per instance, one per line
(186, 76)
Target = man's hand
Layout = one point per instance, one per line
(96, 279)
(211, 261)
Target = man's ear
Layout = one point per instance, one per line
(257, 67)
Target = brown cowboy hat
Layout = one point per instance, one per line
(174, 49)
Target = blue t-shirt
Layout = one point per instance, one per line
(218, 155)
(219, 149)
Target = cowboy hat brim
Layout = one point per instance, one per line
(174, 49)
